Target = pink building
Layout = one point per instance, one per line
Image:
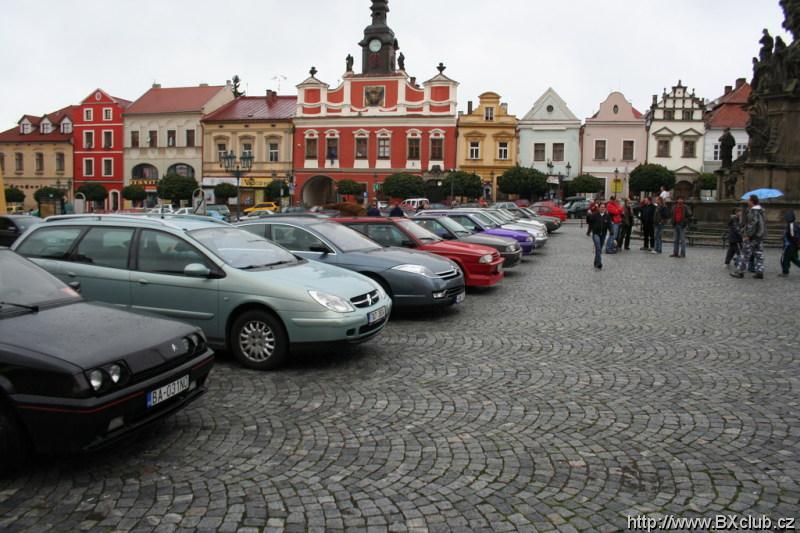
(613, 143)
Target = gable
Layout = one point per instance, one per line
(664, 132)
(691, 132)
(550, 107)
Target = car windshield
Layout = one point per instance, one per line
(454, 226)
(502, 216)
(496, 220)
(23, 285)
(418, 231)
(242, 249)
(487, 221)
(344, 238)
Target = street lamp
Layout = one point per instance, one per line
(237, 167)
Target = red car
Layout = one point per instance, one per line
(480, 264)
(550, 209)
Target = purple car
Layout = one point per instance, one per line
(478, 223)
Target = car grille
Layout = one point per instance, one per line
(454, 291)
(370, 327)
(448, 274)
(365, 300)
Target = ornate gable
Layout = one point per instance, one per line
(550, 107)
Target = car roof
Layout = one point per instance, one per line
(373, 220)
(176, 222)
(277, 219)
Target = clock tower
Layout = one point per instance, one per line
(379, 44)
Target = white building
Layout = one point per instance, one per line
(727, 111)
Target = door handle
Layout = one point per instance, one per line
(72, 274)
(143, 282)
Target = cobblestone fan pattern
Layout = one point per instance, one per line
(564, 399)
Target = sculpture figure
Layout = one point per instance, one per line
(726, 145)
(349, 63)
(767, 42)
(401, 61)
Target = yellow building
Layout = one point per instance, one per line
(38, 153)
(487, 140)
(257, 125)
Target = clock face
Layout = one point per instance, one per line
(374, 45)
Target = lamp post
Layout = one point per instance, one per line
(561, 181)
(237, 167)
(549, 175)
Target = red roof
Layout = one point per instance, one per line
(636, 112)
(255, 108)
(13, 135)
(729, 111)
(174, 100)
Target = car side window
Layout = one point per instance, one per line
(6, 224)
(49, 243)
(166, 254)
(106, 247)
(255, 229)
(466, 222)
(294, 239)
(434, 227)
(386, 234)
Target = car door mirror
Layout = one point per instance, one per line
(320, 248)
(446, 236)
(406, 243)
(75, 286)
(196, 270)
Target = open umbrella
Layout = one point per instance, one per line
(763, 194)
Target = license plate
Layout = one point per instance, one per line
(500, 267)
(460, 297)
(166, 392)
(376, 315)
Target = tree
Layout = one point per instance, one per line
(350, 187)
(48, 193)
(403, 185)
(650, 178)
(586, 183)
(224, 191)
(274, 189)
(523, 181)
(94, 192)
(463, 184)
(175, 188)
(134, 193)
(708, 181)
(14, 195)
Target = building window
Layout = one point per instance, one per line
(627, 150)
(39, 162)
(106, 113)
(87, 115)
(488, 114)
(558, 151)
(384, 147)
(171, 134)
(687, 115)
(108, 166)
(273, 153)
(59, 162)
(45, 127)
(662, 149)
(311, 148)
(66, 127)
(437, 149)
(600, 149)
(716, 152)
(222, 151)
(332, 149)
(247, 149)
(134, 139)
(669, 114)
(740, 150)
(88, 139)
(3, 162)
(88, 167)
(688, 148)
(18, 166)
(108, 139)
(474, 150)
(538, 151)
(190, 138)
(502, 150)
(413, 149)
(152, 138)
(361, 147)
(25, 128)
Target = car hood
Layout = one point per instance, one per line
(310, 275)
(392, 256)
(513, 234)
(87, 335)
(455, 247)
(495, 241)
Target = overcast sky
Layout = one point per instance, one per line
(56, 52)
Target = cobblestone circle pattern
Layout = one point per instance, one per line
(564, 399)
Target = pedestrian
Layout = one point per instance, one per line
(592, 209)
(600, 224)
(373, 210)
(647, 215)
(791, 243)
(615, 212)
(396, 211)
(664, 194)
(755, 228)
(680, 223)
(626, 227)
(660, 219)
(734, 235)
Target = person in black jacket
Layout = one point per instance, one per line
(600, 224)
(734, 235)
(396, 211)
(373, 210)
(626, 228)
(660, 219)
(647, 214)
(791, 240)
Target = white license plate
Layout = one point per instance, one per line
(460, 297)
(154, 397)
(376, 315)
(500, 267)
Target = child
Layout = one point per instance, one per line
(734, 235)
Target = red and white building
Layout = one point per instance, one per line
(98, 144)
(374, 124)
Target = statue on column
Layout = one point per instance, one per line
(349, 63)
(767, 42)
(401, 61)
(726, 144)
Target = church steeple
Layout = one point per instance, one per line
(379, 45)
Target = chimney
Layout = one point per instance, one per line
(272, 96)
(469, 107)
(203, 85)
(156, 85)
(728, 89)
(655, 99)
(505, 107)
(740, 82)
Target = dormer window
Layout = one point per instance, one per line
(66, 127)
(488, 114)
(25, 128)
(45, 127)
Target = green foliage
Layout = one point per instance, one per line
(350, 187)
(708, 181)
(650, 178)
(585, 183)
(14, 195)
(224, 191)
(175, 188)
(134, 193)
(44, 194)
(525, 182)
(94, 192)
(403, 185)
(464, 184)
(273, 190)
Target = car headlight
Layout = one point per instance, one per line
(528, 239)
(511, 248)
(485, 259)
(96, 379)
(332, 302)
(107, 377)
(416, 269)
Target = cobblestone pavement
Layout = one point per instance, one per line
(564, 399)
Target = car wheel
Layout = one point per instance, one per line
(11, 447)
(258, 340)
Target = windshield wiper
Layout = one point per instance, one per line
(251, 267)
(34, 308)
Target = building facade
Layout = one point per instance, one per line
(549, 138)
(487, 141)
(375, 123)
(727, 111)
(676, 134)
(614, 142)
(38, 153)
(260, 126)
(163, 133)
(98, 142)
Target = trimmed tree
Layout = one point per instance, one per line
(175, 188)
(708, 181)
(134, 193)
(463, 184)
(47, 193)
(350, 187)
(273, 190)
(224, 192)
(586, 183)
(403, 185)
(94, 192)
(522, 181)
(14, 195)
(650, 178)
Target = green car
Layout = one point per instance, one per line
(247, 294)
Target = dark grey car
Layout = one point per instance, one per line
(449, 229)
(12, 226)
(410, 277)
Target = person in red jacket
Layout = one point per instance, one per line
(615, 211)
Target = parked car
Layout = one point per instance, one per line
(479, 223)
(161, 209)
(550, 223)
(414, 204)
(246, 293)
(450, 230)
(537, 230)
(64, 386)
(411, 278)
(550, 209)
(12, 226)
(219, 211)
(578, 209)
(504, 205)
(481, 265)
(263, 206)
(259, 213)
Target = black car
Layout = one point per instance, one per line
(12, 226)
(578, 209)
(76, 375)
